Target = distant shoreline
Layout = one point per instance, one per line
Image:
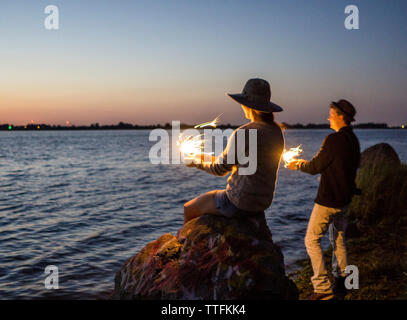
(167, 126)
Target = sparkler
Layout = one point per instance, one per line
(209, 123)
(290, 155)
(191, 146)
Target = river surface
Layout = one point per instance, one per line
(86, 201)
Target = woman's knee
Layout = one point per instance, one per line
(187, 208)
(203, 204)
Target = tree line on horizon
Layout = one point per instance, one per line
(167, 126)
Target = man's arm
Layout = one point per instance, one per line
(321, 160)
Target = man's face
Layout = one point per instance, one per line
(334, 119)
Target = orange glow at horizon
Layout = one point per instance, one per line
(109, 106)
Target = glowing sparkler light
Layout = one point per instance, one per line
(290, 155)
(191, 146)
(209, 123)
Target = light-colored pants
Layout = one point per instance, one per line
(321, 219)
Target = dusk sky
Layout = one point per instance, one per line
(149, 62)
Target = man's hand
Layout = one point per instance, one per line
(295, 164)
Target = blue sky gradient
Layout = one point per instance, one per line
(157, 61)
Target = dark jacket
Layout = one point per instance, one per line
(337, 161)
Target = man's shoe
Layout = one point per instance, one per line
(339, 288)
(321, 296)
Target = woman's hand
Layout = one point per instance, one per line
(199, 158)
(191, 164)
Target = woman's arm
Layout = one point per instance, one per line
(223, 164)
(215, 167)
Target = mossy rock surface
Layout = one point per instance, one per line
(211, 257)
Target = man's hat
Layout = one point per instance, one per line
(345, 107)
(256, 94)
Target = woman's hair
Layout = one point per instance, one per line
(268, 117)
(265, 116)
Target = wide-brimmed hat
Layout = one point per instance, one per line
(256, 94)
(346, 108)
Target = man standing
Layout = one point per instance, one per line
(337, 161)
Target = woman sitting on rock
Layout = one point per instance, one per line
(246, 193)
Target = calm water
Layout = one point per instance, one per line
(87, 201)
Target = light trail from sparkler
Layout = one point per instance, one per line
(290, 155)
(212, 123)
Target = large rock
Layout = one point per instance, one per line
(383, 181)
(211, 257)
(378, 154)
